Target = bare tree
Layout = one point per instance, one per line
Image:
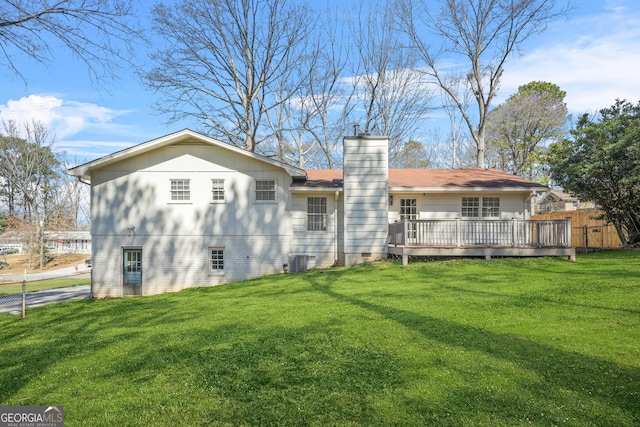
(100, 33)
(73, 197)
(327, 99)
(222, 58)
(289, 118)
(457, 132)
(33, 169)
(394, 97)
(484, 34)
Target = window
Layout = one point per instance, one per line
(475, 207)
(491, 207)
(217, 190)
(265, 190)
(216, 259)
(470, 207)
(317, 214)
(180, 190)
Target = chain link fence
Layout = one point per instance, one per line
(16, 297)
(15, 303)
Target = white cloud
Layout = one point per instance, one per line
(64, 118)
(594, 59)
(86, 149)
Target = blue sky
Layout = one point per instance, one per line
(594, 56)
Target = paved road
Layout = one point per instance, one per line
(13, 303)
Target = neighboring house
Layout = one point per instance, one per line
(74, 242)
(559, 201)
(68, 242)
(187, 210)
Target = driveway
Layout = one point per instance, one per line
(13, 303)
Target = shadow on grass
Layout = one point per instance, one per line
(235, 370)
(561, 371)
(533, 300)
(139, 350)
(69, 329)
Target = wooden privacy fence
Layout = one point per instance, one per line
(586, 231)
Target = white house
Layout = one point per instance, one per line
(187, 210)
(68, 242)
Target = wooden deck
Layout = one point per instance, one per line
(485, 238)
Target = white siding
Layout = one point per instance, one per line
(171, 263)
(321, 245)
(449, 205)
(365, 198)
(175, 237)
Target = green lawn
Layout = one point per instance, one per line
(39, 285)
(498, 343)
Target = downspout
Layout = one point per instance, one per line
(335, 229)
(531, 208)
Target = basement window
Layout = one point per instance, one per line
(216, 260)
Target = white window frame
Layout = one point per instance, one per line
(216, 265)
(480, 207)
(470, 207)
(491, 207)
(316, 214)
(408, 210)
(178, 192)
(257, 190)
(218, 190)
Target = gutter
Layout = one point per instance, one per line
(335, 229)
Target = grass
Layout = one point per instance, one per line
(501, 343)
(39, 285)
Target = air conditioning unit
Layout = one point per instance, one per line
(298, 263)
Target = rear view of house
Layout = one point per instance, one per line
(187, 210)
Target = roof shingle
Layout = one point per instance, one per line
(429, 178)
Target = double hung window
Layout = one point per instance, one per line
(491, 207)
(217, 190)
(265, 190)
(180, 190)
(480, 207)
(317, 214)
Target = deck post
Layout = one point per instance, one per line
(568, 231)
(405, 259)
(458, 232)
(405, 230)
(514, 232)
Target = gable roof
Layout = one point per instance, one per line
(557, 195)
(84, 170)
(430, 180)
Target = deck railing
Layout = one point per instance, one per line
(481, 233)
